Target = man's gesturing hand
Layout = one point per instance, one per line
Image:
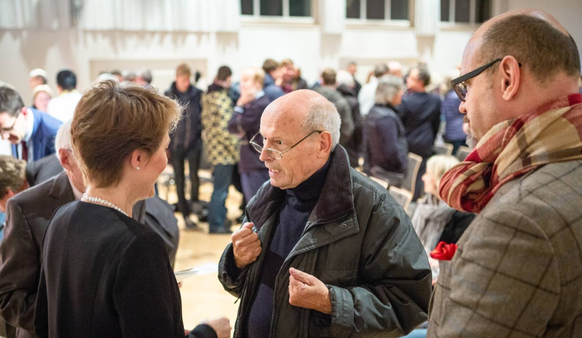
(245, 245)
(308, 292)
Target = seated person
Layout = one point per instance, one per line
(433, 220)
(386, 147)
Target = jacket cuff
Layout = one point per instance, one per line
(342, 312)
(202, 331)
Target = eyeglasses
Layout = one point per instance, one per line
(9, 129)
(460, 84)
(276, 153)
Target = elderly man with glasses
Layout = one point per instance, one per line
(324, 251)
(31, 132)
(516, 271)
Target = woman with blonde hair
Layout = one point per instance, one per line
(433, 220)
(104, 274)
(41, 95)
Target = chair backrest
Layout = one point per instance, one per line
(402, 197)
(443, 149)
(462, 153)
(409, 181)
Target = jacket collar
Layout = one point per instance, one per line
(335, 202)
(61, 188)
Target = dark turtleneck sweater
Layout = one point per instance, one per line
(293, 215)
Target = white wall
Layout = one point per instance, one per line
(88, 52)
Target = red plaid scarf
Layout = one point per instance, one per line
(552, 133)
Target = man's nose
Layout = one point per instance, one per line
(462, 109)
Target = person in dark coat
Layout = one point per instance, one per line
(103, 271)
(330, 92)
(386, 146)
(186, 142)
(353, 69)
(272, 71)
(245, 123)
(346, 87)
(324, 251)
(420, 113)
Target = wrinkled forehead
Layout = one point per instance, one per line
(282, 121)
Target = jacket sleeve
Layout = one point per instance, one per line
(436, 122)
(19, 270)
(395, 277)
(229, 275)
(504, 281)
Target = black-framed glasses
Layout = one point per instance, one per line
(460, 84)
(274, 152)
(6, 130)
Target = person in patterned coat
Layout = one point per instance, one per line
(221, 147)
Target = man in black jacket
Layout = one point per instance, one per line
(325, 251)
(420, 114)
(186, 142)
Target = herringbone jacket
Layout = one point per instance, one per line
(518, 269)
(220, 146)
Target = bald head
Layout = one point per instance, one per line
(534, 38)
(307, 109)
(297, 131)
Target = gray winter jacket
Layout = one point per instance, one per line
(359, 242)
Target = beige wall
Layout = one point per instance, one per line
(87, 53)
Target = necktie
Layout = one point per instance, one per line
(24, 151)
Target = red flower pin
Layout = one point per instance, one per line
(444, 251)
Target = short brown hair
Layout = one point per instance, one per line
(534, 43)
(328, 76)
(183, 70)
(12, 174)
(224, 73)
(270, 65)
(111, 121)
(286, 62)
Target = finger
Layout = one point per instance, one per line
(294, 284)
(301, 276)
(242, 233)
(252, 239)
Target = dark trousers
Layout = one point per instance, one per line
(252, 181)
(178, 157)
(222, 177)
(419, 187)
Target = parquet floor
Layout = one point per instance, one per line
(203, 296)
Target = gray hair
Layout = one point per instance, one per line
(323, 116)
(380, 70)
(63, 138)
(344, 78)
(388, 87)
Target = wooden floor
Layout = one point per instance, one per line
(203, 296)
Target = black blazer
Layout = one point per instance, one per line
(28, 214)
(106, 275)
(43, 169)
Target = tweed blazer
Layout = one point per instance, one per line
(518, 268)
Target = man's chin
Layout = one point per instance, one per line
(471, 141)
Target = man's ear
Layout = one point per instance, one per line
(64, 158)
(324, 144)
(510, 77)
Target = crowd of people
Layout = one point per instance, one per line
(490, 249)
